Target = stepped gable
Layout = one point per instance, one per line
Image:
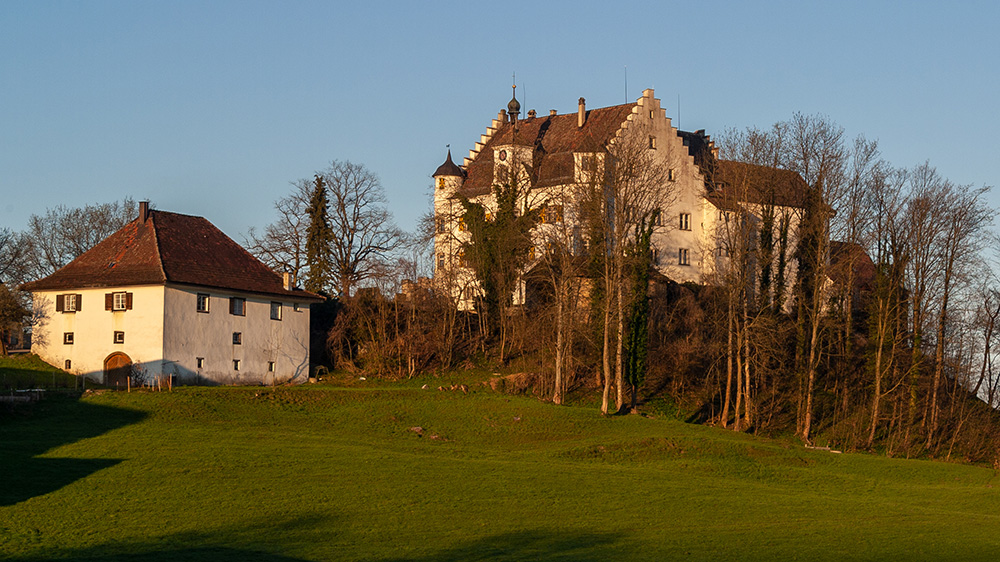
(554, 139)
(169, 248)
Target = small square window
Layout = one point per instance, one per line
(295, 307)
(69, 365)
(237, 338)
(236, 364)
(270, 366)
(237, 306)
(119, 337)
(68, 338)
(275, 311)
(200, 362)
(202, 302)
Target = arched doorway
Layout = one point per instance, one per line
(116, 369)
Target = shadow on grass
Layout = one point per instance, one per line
(31, 430)
(262, 540)
(532, 545)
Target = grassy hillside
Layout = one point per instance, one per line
(328, 473)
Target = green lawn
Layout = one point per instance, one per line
(334, 473)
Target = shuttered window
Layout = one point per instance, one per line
(118, 301)
(68, 303)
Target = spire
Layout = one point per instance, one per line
(514, 107)
(449, 168)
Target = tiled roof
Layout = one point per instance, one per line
(553, 139)
(169, 248)
(730, 181)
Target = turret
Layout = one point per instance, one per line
(448, 178)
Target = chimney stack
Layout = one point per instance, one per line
(288, 280)
(552, 112)
(581, 116)
(143, 211)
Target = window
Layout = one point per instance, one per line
(270, 366)
(462, 260)
(275, 311)
(440, 261)
(68, 338)
(671, 175)
(652, 142)
(682, 257)
(119, 337)
(200, 362)
(69, 365)
(68, 303)
(685, 221)
(295, 306)
(237, 338)
(202, 302)
(552, 214)
(440, 183)
(650, 113)
(441, 226)
(118, 301)
(237, 306)
(462, 227)
(236, 364)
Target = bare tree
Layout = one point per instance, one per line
(281, 246)
(64, 233)
(363, 230)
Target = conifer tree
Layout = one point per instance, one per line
(319, 237)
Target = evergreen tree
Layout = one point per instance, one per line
(637, 343)
(319, 237)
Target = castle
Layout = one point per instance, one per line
(700, 195)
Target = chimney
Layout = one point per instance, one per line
(143, 211)
(288, 280)
(552, 112)
(531, 114)
(581, 116)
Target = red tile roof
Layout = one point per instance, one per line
(554, 139)
(169, 248)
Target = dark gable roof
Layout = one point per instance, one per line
(553, 139)
(728, 181)
(169, 248)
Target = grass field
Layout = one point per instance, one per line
(338, 473)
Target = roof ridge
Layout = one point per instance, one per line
(156, 243)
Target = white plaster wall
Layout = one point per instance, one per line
(93, 329)
(190, 334)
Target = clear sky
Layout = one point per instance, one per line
(212, 108)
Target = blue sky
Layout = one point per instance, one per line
(212, 108)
